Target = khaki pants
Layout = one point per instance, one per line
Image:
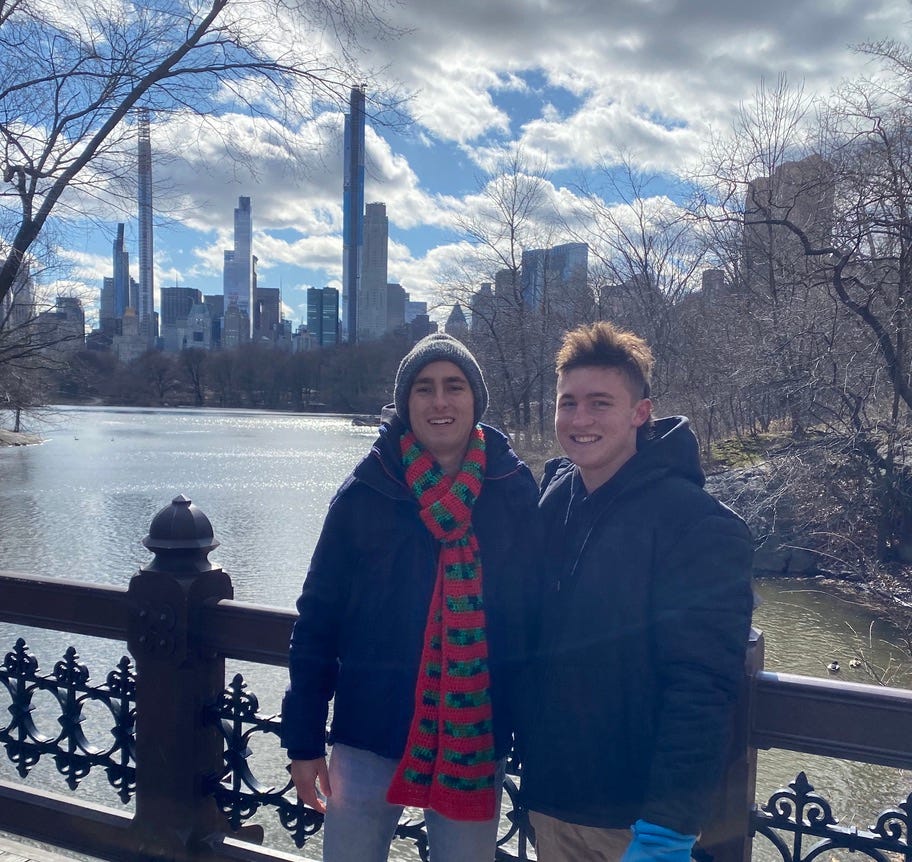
(559, 841)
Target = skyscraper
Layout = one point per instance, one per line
(118, 291)
(801, 193)
(456, 323)
(238, 279)
(267, 314)
(146, 307)
(216, 304)
(482, 309)
(121, 261)
(63, 326)
(555, 282)
(396, 298)
(372, 303)
(352, 212)
(323, 315)
(176, 303)
(550, 275)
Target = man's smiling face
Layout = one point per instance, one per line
(441, 410)
(596, 420)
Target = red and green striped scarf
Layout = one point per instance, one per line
(448, 763)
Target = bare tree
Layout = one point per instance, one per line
(70, 76)
(513, 332)
(825, 273)
(193, 364)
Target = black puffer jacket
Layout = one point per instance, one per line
(364, 604)
(645, 624)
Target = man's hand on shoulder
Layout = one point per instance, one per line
(305, 774)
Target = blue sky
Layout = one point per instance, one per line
(571, 83)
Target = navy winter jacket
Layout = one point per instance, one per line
(363, 608)
(646, 619)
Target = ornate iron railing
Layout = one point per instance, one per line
(798, 822)
(184, 759)
(240, 794)
(808, 819)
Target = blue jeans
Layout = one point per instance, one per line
(360, 823)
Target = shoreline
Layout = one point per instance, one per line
(17, 438)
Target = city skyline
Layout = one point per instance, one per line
(656, 83)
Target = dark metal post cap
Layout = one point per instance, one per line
(180, 526)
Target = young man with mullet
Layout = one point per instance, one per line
(413, 617)
(645, 620)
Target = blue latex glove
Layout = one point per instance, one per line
(652, 843)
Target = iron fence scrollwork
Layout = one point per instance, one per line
(239, 794)
(808, 818)
(69, 685)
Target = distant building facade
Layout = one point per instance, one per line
(198, 331)
(267, 315)
(128, 344)
(801, 192)
(215, 303)
(18, 306)
(481, 309)
(396, 298)
(456, 324)
(62, 327)
(555, 280)
(176, 303)
(235, 327)
(372, 304)
(323, 316)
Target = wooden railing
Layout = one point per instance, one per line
(180, 728)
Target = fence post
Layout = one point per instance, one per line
(727, 837)
(175, 679)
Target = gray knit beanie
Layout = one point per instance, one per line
(438, 347)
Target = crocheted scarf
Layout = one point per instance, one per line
(448, 763)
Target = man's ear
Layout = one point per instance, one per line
(642, 412)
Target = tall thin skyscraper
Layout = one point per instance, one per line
(372, 304)
(243, 258)
(146, 309)
(352, 212)
(121, 261)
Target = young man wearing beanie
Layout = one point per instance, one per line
(645, 620)
(414, 618)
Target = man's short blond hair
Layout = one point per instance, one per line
(603, 345)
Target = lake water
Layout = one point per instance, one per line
(78, 505)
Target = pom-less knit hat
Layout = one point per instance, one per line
(438, 347)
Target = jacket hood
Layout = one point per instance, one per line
(667, 447)
(382, 468)
(671, 445)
